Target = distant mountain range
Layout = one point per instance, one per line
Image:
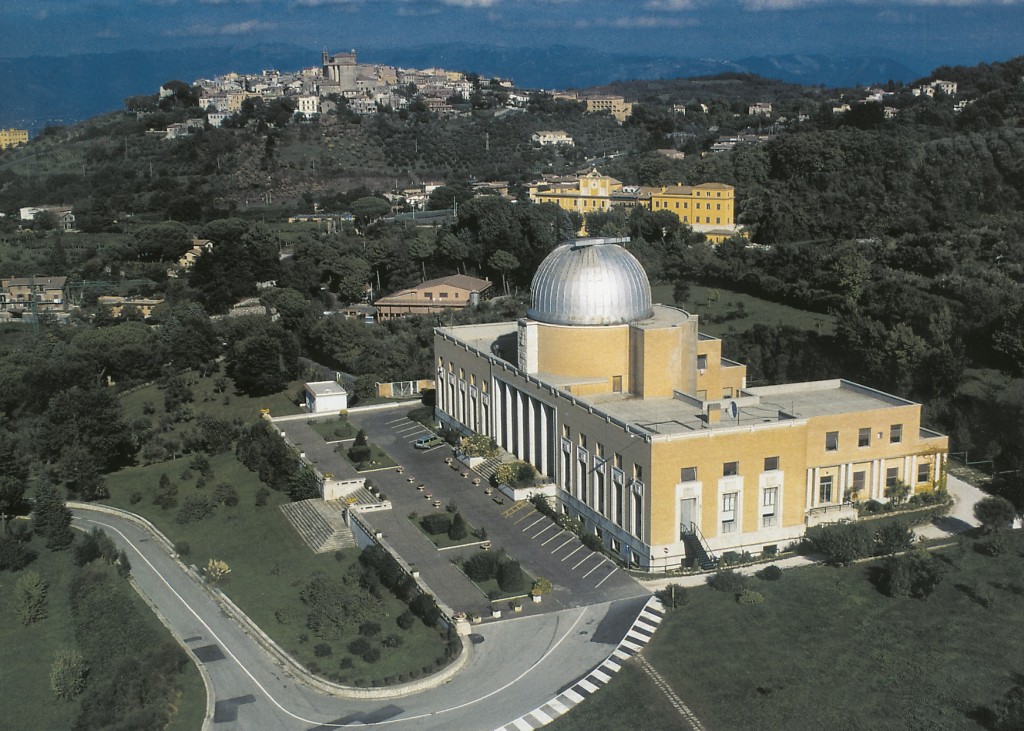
(40, 90)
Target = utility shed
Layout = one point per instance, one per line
(324, 397)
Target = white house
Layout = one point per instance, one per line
(325, 397)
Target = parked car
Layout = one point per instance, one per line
(428, 442)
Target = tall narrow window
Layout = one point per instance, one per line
(825, 489)
(864, 437)
(831, 441)
(896, 433)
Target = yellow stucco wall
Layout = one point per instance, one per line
(588, 352)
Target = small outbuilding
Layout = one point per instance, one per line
(324, 397)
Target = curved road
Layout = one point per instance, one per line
(513, 666)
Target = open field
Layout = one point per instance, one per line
(722, 312)
(826, 649)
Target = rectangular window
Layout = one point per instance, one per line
(859, 482)
(583, 440)
(771, 463)
(729, 503)
(831, 441)
(895, 433)
(771, 495)
(638, 473)
(768, 520)
(617, 384)
(730, 469)
(728, 526)
(688, 474)
(727, 392)
(702, 362)
(892, 476)
(444, 295)
(825, 489)
(864, 437)
(617, 461)
(924, 472)
(599, 450)
(565, 431)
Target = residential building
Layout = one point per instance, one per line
(761, 108)
(432, 297)
(654, 440)
(44, 294)
(64, 214)
(199, 247)
(13, 137)
(116, 305)
(708, 208)
(617, 106)
(555, 137)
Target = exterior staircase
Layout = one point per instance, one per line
(488, 467)
(320, 524)
(697, 551)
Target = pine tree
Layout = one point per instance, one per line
(51, 518)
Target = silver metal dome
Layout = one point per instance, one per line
(590, 282)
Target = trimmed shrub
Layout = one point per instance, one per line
(392, 641)
(994, 513)
(372, 655)
(322, 649)
(182, 548)
(359, 646)
(135, 498)
(914, 574)
(728, 581)
(195, 508)
(406, 620)
(841, 543)
(893, 538)
(424, 607)
(458, 529)
(749, 596)
(225, 494)
(15, 555)
(262, 495)
(481, 567)
(591, 541)
(770, 573)
(673, 596)
(436, 523)
(510, 576)
(369, 629)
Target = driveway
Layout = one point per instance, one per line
(513, 666)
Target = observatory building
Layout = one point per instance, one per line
(651, 437)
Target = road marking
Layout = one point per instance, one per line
(573, 696)
(553, 537)
(546, 528)
(541, 716)
(408, 429)
(563, 545)
(578, 548)
(522, 724)
(524, 516)
(614, 569)
(533, 523)
(326, 724)
(588, 686)
(584, 560)
(558, 706)
(603, 677)
(395, 421)
(593, 570)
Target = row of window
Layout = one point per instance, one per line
(859, 481)
(657, 204)
(769, 513)
(729, 469)
(863, 437)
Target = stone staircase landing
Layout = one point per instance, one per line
(320, 524)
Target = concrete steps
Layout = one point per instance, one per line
(320, 524)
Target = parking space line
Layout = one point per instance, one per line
(562, 545)
(395, 421)
(524, 517)
(553, 537)
(407, 429)
(579, 547)
(593, 570)
(584, 560)
(534, 523)
(614, 569)
(544, 530)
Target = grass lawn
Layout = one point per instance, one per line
(828, 650)
(25, 693)
(269, 563)
(334, 429)
(722, 311)
(646, 709)
(379, 459)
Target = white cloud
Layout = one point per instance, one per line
(243, 27)
(629, 22)
(759, 5)
(671, 5)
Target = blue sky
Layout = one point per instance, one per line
(921, 33)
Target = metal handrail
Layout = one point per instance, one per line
(695, 531)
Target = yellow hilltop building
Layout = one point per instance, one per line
(13, 138)
(709, 208)
(651, 437)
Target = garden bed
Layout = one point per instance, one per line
(443, 539)
(334, 429)
(378, 459)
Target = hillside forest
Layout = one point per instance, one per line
(905, 230)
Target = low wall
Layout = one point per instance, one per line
(525, 493)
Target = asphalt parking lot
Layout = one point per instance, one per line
(579, 576)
